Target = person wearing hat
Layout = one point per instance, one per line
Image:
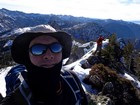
(43, 80)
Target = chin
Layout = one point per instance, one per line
(47, 66)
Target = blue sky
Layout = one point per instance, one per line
(103, 9)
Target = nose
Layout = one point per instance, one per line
(48, 55)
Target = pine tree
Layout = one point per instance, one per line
(112, 51)
(128, 53)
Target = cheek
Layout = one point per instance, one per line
(34, 60)
(58, 58)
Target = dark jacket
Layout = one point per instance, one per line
(65, 97)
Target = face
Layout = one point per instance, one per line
(48, 59)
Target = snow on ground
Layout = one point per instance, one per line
(82, 73)
(135, 81)
(3, 73)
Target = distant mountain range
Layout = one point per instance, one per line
(82, 28)
(137, 22)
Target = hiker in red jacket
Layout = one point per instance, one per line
(99, 45)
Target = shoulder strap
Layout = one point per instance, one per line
(16, 84)
(23, 94)
(72, 82)
(11, 78)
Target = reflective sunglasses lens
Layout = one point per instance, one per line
(38, 49)
(56, 48)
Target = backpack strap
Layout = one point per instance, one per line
(11, 79)
(68, 77)
(17, 86)
(23, 91)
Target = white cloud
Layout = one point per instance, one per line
(115, 9)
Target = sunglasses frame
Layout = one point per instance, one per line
(48, 46)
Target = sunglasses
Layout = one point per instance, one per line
(40, 49)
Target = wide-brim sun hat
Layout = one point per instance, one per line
(20, 46)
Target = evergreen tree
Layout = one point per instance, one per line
(112, 51)
(128, 53)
